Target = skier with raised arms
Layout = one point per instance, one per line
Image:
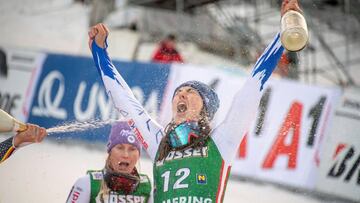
(191, 160)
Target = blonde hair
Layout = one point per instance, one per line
(104, 189)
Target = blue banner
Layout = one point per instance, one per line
(69, 89)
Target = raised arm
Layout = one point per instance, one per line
(244, 106)
(229, 133)
(147, 130)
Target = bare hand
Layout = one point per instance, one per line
(99, 32)
(290, 5)
(32, 134)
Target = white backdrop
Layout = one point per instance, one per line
(21, 65)
(281, 151)
(340, 165)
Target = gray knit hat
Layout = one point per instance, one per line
(210, 98)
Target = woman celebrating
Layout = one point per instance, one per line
(191, 161)
(119, 181)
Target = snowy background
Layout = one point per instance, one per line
(45, 172)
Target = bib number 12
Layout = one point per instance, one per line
(182, 174)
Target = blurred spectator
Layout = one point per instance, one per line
(166, 52)
(283, 65)
(3, 63)
(133, 27)
(288, 65)
(293, 65)
(86, 2)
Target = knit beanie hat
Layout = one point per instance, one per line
(210, 98)
(121, 133)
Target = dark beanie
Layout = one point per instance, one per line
(210, 98)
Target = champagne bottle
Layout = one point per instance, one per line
(294, 32)
(9, 123)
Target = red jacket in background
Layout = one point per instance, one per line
(167, 53)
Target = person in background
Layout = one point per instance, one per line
(33, 134)
(288, 65)
(167, 52)
(119, 180)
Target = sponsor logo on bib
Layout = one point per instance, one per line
(191, 152)
(201, 179)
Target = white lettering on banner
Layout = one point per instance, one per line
(81, 115)
(97, 99)
(48, 107)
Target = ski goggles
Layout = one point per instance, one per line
(121, 181)
(183, 133)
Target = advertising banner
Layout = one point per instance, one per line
(14, 92)
(340, 165)
(69, 89)
(284, 143)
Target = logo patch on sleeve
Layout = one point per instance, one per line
(201, 179)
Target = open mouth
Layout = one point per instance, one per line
(181, 107)
(123, 165)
